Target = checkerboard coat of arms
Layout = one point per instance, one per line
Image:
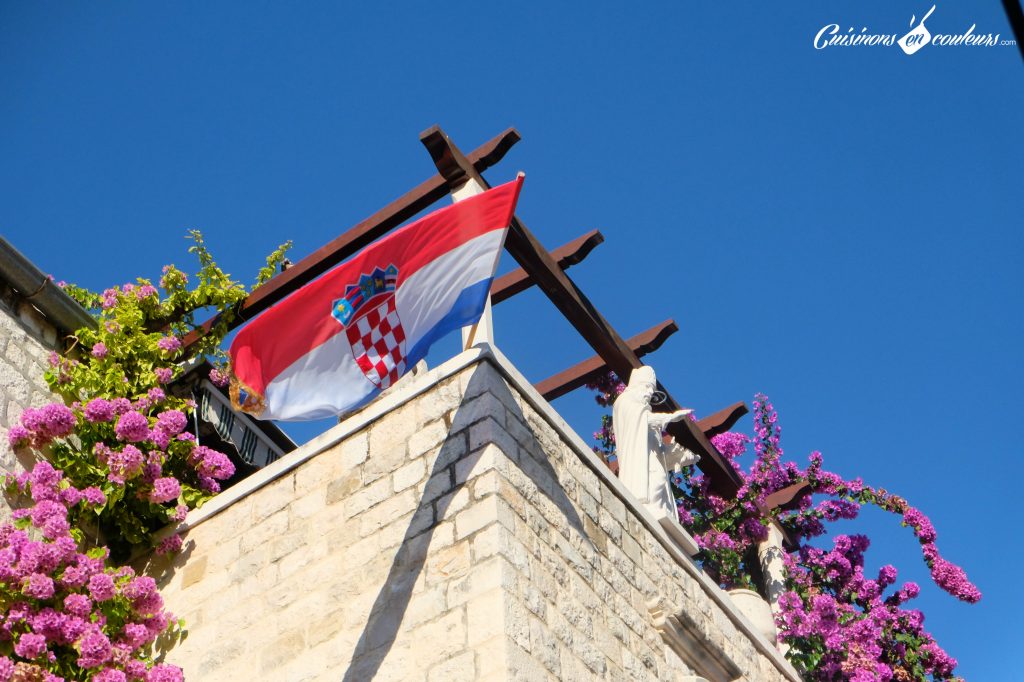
(374, 331)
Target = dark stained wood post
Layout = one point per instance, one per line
(457, 170)
(508, 285)
(594, 368)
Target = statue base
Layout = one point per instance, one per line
(674, 529)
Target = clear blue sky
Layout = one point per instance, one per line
(838, 228)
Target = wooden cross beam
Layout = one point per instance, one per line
(522, 245)
(788, 499)
(456, 169)
(507, 286)
(723, 420)
(352, 241)
(595, 367)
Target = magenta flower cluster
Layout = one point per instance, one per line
(67, 611)
(138, 449)
(838, 623)
(843, 621)
(41, 425)
(132, 467)
(169, 344)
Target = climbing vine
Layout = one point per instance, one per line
(116, 462)
(836, 622)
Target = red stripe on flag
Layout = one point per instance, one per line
(281, 335)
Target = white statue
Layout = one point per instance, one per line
(644, 458)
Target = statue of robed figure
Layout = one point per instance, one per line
(644, 457)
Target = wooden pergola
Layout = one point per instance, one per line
(538, 267)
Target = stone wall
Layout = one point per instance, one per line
(26, 339)
(453, 530)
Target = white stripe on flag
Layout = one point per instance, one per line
(327, 381)
(430, 292)
(320, 384)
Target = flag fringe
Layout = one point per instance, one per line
(253, 404)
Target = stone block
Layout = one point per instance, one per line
(439, 401)
(392, 508)
(224, 661)
(614, 505)
(316, 473)
(286, 648)
(631, 548)
(474, 410)
(388, 444)
(479, 462)
(268, 529)
(448, 563)
(324, 626)
(488, 483)
(451, 504)
(365, 497)
(491, 658)
(478, 515)
(488, 431)
(426, 438)
(491, 574)
(298, 559)
(441, 638)
(307, 505)
(193, 572)
(409, 475)
(435, 486)
(609, 525)
(545, 647)
(518, 429)
(248, 564)
(486, 379)
(485, 616)
(488, 542)
(354, 450)
(16, 356)
(425, 606)
(523, 668)
(460, 668)
(517, 622)
(588, 504)
(454, 448)
(273, 497)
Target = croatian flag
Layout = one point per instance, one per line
(343, 338)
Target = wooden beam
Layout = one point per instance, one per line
(362, 234)
(787, 498)
(570, 301)
(723, 420)
(456, 169)
(594, 367)
(724, 481)
(507, 286)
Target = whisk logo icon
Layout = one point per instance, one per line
(918, 36)
(833, 35)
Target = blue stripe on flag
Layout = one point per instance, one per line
(467, 309)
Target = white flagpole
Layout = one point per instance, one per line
(483, 330)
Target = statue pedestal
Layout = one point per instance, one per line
(757, 611)
(674, 529)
